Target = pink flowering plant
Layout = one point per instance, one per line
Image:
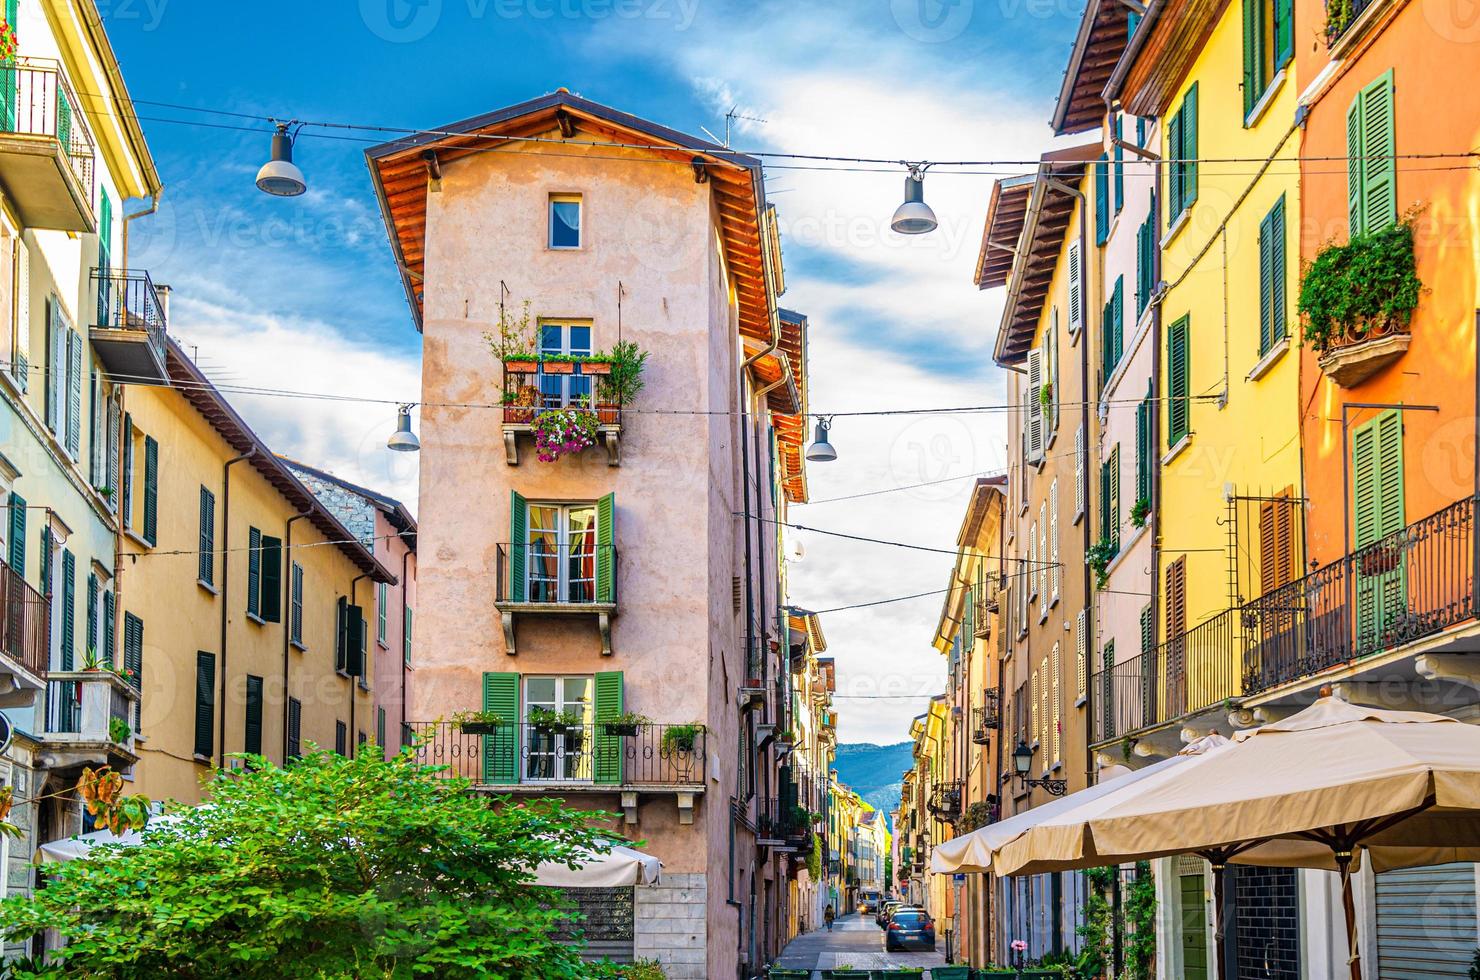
(563, 431)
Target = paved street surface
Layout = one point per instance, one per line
(854, 941)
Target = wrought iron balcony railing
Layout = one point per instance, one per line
(539, 387)
(984, 719)
(945, 801)
(37, 100)
(543, 574)
(600, 754)
(24, 628)
(783, 820)
(1340, 15)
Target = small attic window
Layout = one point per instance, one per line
(565, 221)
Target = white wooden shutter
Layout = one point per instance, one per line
(1081, 656)
(1035, 405)
(22, 364)
(1043, 559)
(1055, 572)
(58, 368)
(1081, 461)
(1075, 316)
(1056, 714)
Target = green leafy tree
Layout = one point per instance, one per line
(331, 868)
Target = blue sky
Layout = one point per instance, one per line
(301, 293)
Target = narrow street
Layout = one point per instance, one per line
(854, 941)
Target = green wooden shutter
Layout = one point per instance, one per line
(109, 628)
(69, 611)
(341, 632)
(295, 624)
(295, 728)
(1114, 502)
(1378, 511)
(380, 727)
(1119, 163)
(18, 534)
(1379, 167)
(1117, 324)
(606, 552)
(1105, 500)
(205, 703)
(1277, 272)
(354, 640)
(1189, 146)
(252, 735)
(1284, 32)
(133, 660)
(607, 762)
(1143, 451)
(1266, 285)
(1253, 54)
(1177, 382)
(1354, 167)
(151, 489)
(206, 569)
(501, 749)
(406, 636)
(518, 542)
(254, 572)
(90, 638)
(1174, 172)
(46, 564)
(128, 470)
(272, 579)
(1102, 199)
(74, 394)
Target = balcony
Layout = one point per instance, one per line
(539, 579)
(1354, 356)
(985, 599)
(528, 759)
(984, 719)
(47, 153)
(129, 330)
(1341, 15)
(783, 825)
(89, 720)
(945, 801)
(23, 640)
(532, 387)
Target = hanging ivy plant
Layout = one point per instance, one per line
(1367, 286)
(1100, 555)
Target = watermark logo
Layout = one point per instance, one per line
(401, 21)
(1454, 20)
(931, 21)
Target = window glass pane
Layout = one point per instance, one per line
(551, 339)
(543, 557)
(580, 339)
(565, 223)
(576, 693)
(581, 554)
(539, 692)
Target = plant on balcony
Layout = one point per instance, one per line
(549, 720)
(1369, 286)
(1338, 19)
(785, 738)
(977, 814)
(260, 883)
(623, 384)
(563, 431)
(1099, 557)
(119, 731)
(1140, 512)
(515, 342)
(1045, 396)
(92, 661)
(477, 722)
(680, 738)
(627, 723)
(7, 42)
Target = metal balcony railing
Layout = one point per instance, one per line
(984, 718)
(595, 752)
(129, 301)
(24, 621)
(36, 100)
(557, 574)
(945, 801)
(527, 393)
(777, 819)
(1340, 15)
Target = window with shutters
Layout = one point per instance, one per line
(1081, 654)
(1081, 472)
(1102, 199)
(207, 558)
(1041, 569)
(1110, 499)
(1182, 154)
(1055, 571)
(254, 574)
(1036, 718)
(406, 636)
(205, 704)
(295, 729)
(341, 737)
(382, 611)
(252, 729)
(1056, 748)
(1119, 165)
(1112, 325)
(295, 630)
(1045, 713)
(264, 577)
(127, 484)
(558, 753)
(67, 660)
(1178, 383)
(1272, 278)
(1371, 167)
(1276, 542)
(133, 661)
(1076, 310)
(1144, 455)
(562, 552)
(1033, 410)
(1269, 44)
(151, 491)
(1176, 597)
(1146, 260)
(1378, 511)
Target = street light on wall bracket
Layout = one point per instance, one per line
(1022, 762)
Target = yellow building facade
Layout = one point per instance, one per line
(246, 595)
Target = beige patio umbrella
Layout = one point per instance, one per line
(1315, 790)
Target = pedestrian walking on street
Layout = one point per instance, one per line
(828, 915)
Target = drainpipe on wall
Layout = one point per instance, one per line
(288, 616)
(226, 593)
(128, 218)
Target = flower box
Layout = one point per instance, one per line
(1380, 560)
(596, 367)
(619, 728)
(950, 973)
(520, 365)
(479, 727)
(558, 367)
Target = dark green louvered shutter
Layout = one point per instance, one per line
(1102, 199)
(1119, 163)
(380, 727)
(1378, 511)
(69, 611)
(607, 762)
(501, 749)
(1284, 32)
(206, 565)
(133, 659)
(74, 394)
(1272, 278)
(606, 549)
(1177, 382)
(254, 572)
(1189, 146)
(1253, 54)
(151, 489)
(17, 558)
(1117, 323)
(128, 469)
(295, 728)
(109, 628)
(518, 543)
(89, 639)
(252, 733)
(1143, 451)
(1174, 172)
(295, 613)
(1379, 176)
(406, 636)
(341, 632)
(271, 602)
(354, 640)
(205, 703)
(46, 564)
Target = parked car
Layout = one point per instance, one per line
(910, 928)
(900, 907)
(882, 917)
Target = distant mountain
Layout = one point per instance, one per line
(873, 771)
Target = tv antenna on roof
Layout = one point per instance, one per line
(730, 118)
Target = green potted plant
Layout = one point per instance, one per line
(1045, 396)
(680, 738)
(549, 721)
(623, 383)
(514, 342)
(844, 970)
(1099, 557)
(91, 661)
(477, 722)
(627, 723)
(1140, 512)
(119, 731)
(950, 973)
(902, 971)
(785, 738)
